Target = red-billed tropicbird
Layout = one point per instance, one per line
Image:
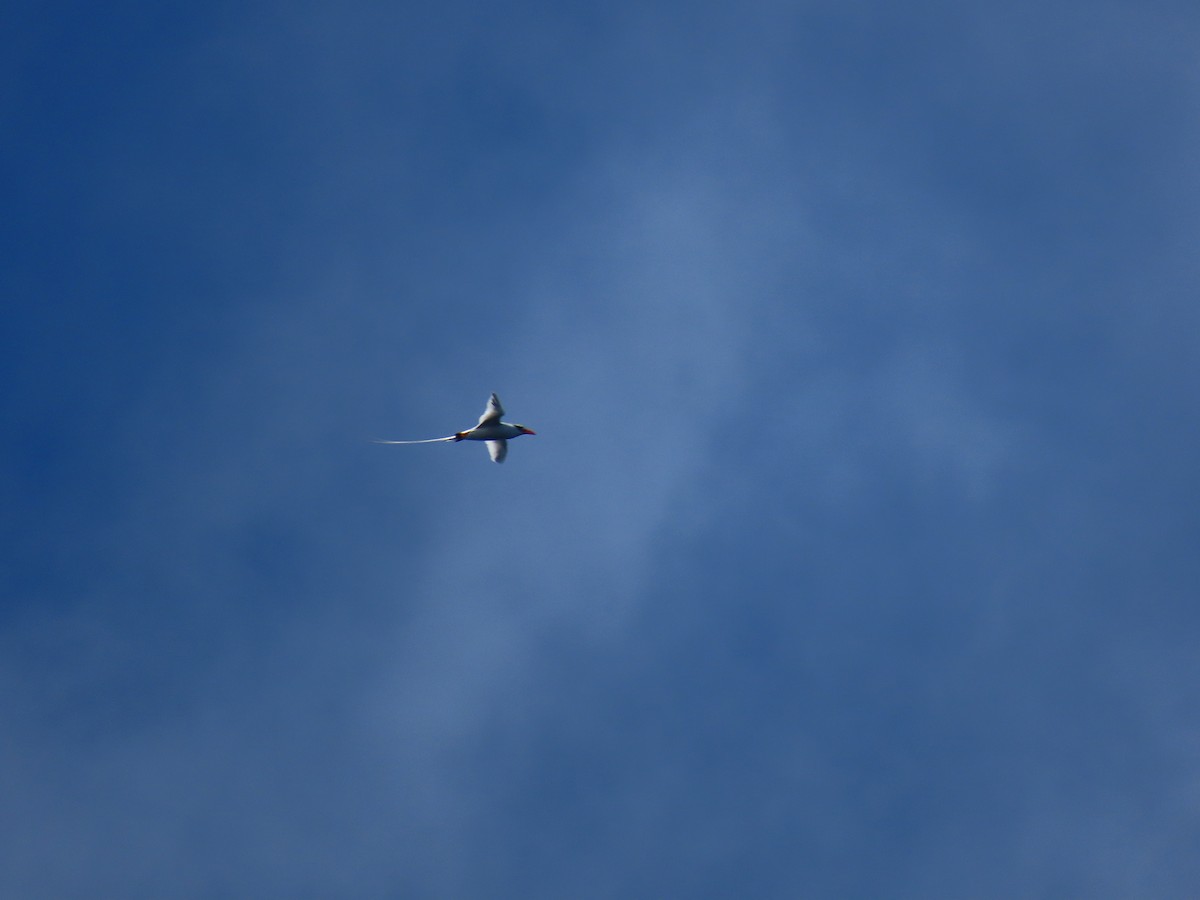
(489, 429)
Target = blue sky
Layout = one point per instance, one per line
(855, 555)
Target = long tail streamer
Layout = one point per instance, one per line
(430, 441)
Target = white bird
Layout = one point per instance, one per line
(489, 429)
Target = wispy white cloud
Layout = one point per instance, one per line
(798, 545)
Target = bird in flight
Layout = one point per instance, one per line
(489, 429)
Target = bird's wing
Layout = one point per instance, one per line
(430, 441)
(491, 415)
(497, 450)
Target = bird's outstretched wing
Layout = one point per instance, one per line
(491, 415)
(430, 441)
(497, 450)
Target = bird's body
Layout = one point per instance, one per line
(498, 431)
(490, 429)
